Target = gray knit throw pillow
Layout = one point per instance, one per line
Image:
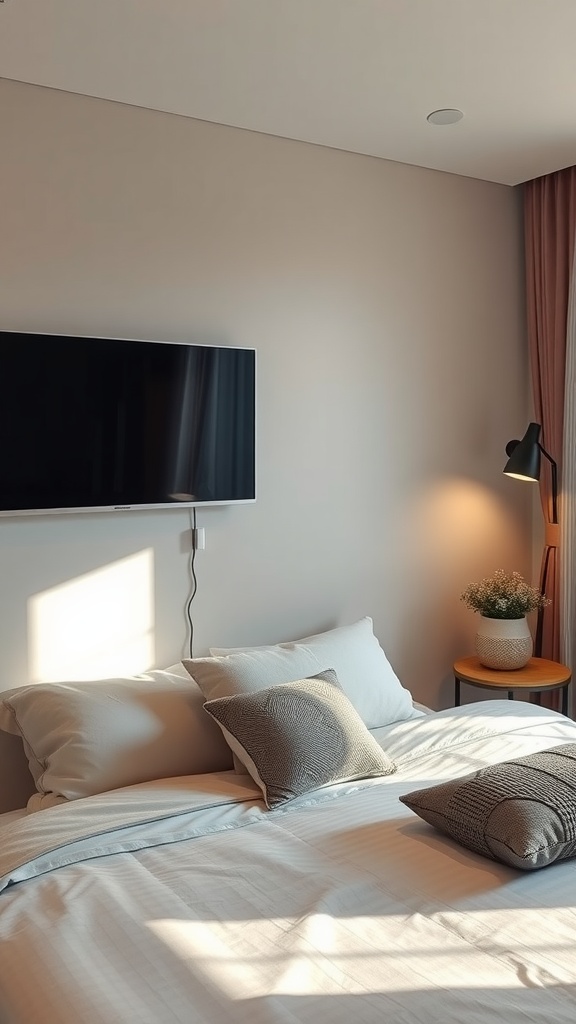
(522, 812)
(299, 736)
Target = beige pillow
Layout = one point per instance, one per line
(522, 812)
(299, 736)
(88, 737)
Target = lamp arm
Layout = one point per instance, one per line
(554, 469)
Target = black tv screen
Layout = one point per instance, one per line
(109, 424)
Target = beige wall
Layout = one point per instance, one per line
(385, 302)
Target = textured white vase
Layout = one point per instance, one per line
(503, 643)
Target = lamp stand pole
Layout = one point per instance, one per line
(546, 556)
(524, 464)
(551, 543)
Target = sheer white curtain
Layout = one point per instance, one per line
(568, 491)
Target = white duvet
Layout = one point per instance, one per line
(187, 901)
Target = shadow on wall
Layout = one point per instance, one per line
(98, 625)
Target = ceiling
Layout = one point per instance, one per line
(358, 75)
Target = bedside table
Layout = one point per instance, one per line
(538, 675)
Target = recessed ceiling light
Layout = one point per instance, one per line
(448, 115)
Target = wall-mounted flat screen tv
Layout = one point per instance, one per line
(111, 424)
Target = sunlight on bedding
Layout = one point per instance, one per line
(323, 956)
(98, 625)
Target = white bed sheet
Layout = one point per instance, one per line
(340, 907)
(7, 816)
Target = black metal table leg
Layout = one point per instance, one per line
(456, 691)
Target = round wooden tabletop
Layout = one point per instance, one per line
(539, 674)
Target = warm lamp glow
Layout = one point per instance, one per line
(446, 515)
(520, 476)
(98, 625)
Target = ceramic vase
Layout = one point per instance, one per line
(503, 643)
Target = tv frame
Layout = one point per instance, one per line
(157, 506)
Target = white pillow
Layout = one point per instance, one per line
(89, 737)
(353, 652)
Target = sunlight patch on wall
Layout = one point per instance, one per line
(98, 625)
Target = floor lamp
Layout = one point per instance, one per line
(524, 464)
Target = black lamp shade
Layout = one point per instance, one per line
(524, 456)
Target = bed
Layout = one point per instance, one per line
(213, 897)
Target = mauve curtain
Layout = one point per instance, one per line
(549, 221)
(568, 539)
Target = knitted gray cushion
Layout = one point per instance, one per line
(299, 736)
(522, 812)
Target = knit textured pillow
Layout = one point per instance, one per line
(521, 812)
(298, 736)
